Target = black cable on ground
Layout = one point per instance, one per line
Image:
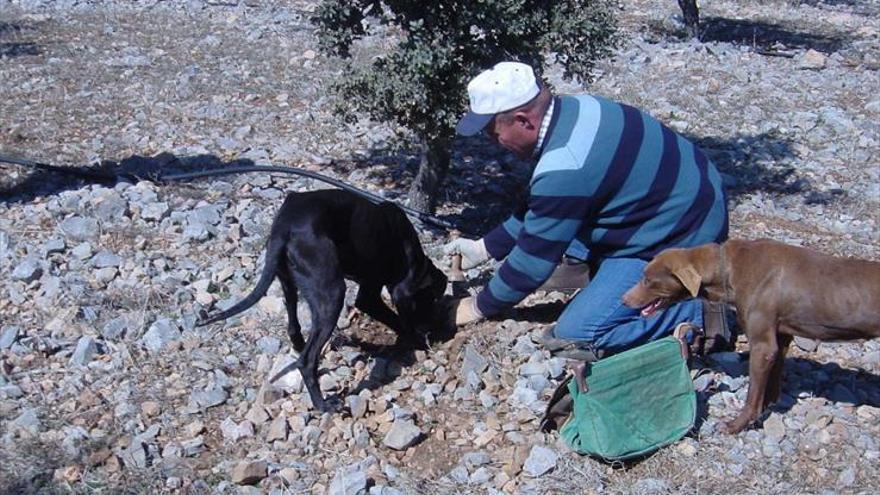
(104, 175)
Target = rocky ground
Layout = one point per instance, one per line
(107, 387)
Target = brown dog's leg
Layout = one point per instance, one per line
(774, 383)
(763, 352)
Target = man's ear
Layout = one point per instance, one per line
(523, 119)
(689, 278)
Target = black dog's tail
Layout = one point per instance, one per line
(274, 249)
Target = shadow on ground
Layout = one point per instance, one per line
(766, 35)
(752, 33)
(11, 48)
(806, 377)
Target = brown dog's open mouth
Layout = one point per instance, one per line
(654, 306)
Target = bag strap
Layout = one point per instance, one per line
(559, 406)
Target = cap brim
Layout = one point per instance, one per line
(472, 123)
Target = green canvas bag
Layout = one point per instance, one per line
(635, 402)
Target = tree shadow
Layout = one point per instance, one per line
(857, 6)
(753, 163)
(826, 380)
(765, 35)
(12, 49)
(486, 184)
(752, 33)
(50, 181)
(483, 185)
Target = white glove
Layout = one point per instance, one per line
(464, 311)
(472, 253)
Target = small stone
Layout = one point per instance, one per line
(541, 460)
(847, 477)
(195, 428)
(257, 415)
(106, 259)
(357, 405)
(403, 434)
(135, 455)
(289, 474)
(68, 474)
(350, 480)
(193, 446)
(473, 362)
(249, 472)
(278, 429)
(79, 228)
(291, 381)
(8, 337)
(476, 459)
(27, 271)
(154, 211)
(533, 369)
(774, 428)
(53, 246)
(311, 434)
(150, 408)
(269, 344)
(812, 60)
(272, 305)
(27, 421)
(459, 474)
(687, 447)
(208, 398)
(82, 251)
(118, 327)
(805, 344)
(480, 477)
(86, 347)
(161, 333)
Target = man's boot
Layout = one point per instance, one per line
(570, 274)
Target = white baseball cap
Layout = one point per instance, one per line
(505, 86)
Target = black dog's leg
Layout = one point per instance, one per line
(369, 300)
(319, 277)
(294, 330)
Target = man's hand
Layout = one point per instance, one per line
(464, 311)
(472, 253)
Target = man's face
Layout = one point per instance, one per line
(517, 135)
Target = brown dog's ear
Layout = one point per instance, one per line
(689, 277)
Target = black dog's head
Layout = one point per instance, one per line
(417, 297)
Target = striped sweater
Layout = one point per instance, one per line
(613, 178)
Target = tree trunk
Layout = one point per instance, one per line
(691, 14)
(432, 172)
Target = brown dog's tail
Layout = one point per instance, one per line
(273, 253)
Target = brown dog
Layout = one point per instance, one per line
(779, 291)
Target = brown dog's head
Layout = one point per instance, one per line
(669, 278)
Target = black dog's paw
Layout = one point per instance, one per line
(331, 405)
(411, 341)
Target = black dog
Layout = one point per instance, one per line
(320, 238)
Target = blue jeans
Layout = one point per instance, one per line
(597, 313)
